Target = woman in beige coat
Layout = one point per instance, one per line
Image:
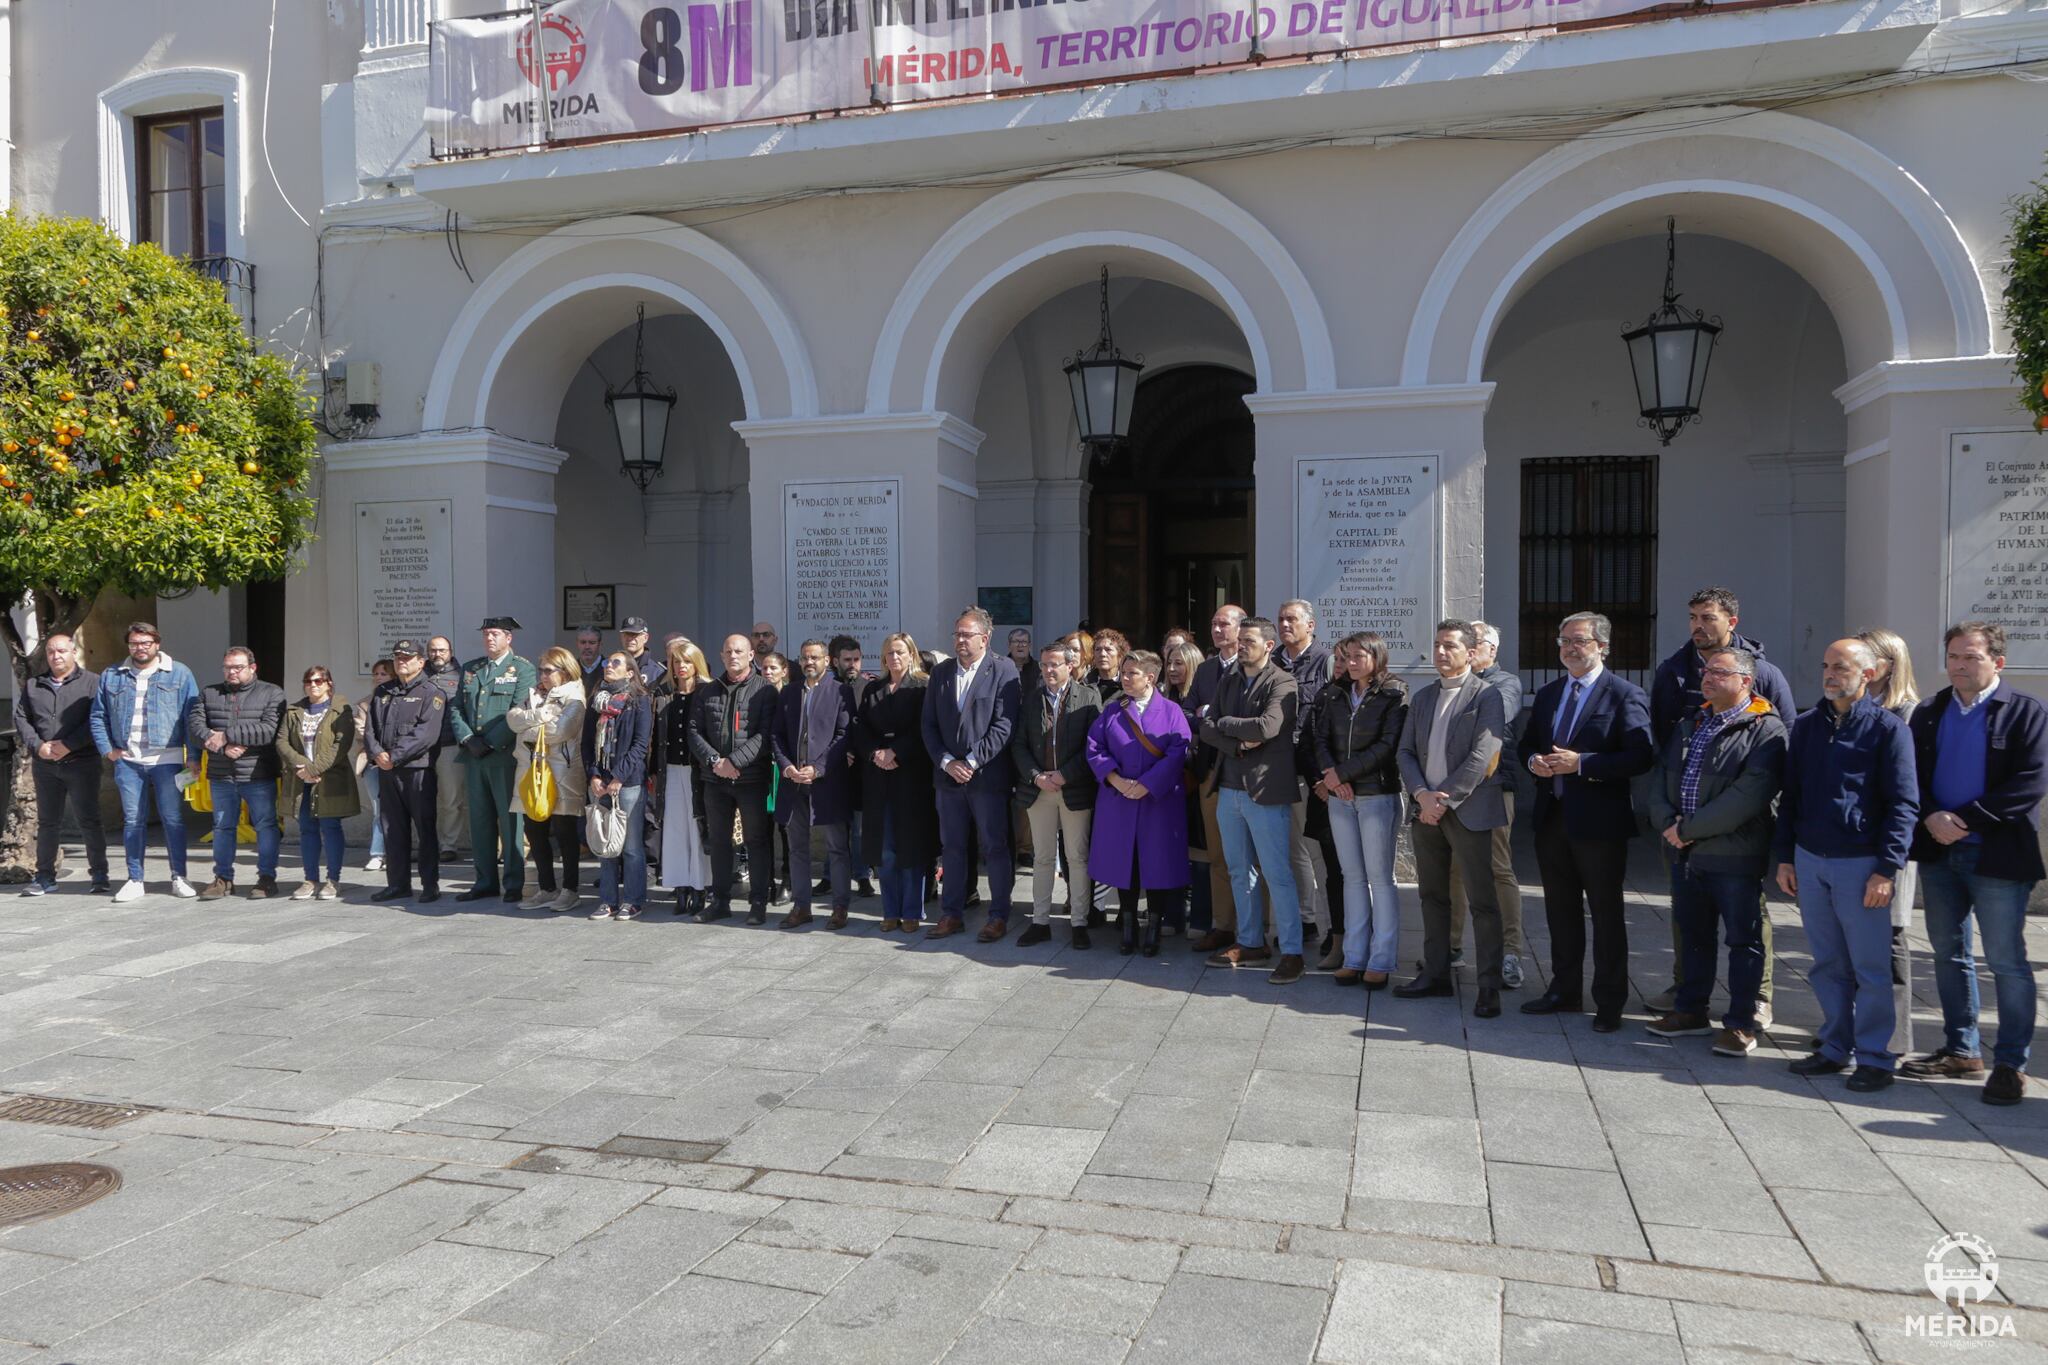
(556, 707)
(313, 743)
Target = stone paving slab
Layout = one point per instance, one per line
(499, 1137)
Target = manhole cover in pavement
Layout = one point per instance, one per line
(65, 1113)
(29, 1194)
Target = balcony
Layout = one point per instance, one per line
(394, 24)
(237, 279)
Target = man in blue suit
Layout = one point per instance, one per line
(1588, 734)
(970, 709)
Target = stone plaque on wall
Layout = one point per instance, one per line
(405, 574)
(842, 558)
(1366, 549)
(1998, 538)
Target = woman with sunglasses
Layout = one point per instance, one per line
(617, 733)
(555, 706)
(313, 743)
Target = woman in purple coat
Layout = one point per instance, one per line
(1137, 747)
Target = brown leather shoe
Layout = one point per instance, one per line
(217, 888)
(1346, 976)
(1213, 940)
(890, 926)
(947, 926)
(797, 919)
(1236, 955)
(838, 920)
(1287, 970)
(992, 931)
(1941, 1065)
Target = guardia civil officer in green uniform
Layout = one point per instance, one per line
(491, 686)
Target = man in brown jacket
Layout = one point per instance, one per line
(1251, 726)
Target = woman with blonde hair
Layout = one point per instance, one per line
(685, 866)
(1897, 692)
(900, 812)
(554, 707)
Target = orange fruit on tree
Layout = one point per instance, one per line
(11, 447)
(65, 397)
(154, 514)
(78, 511)
(128, 386)
(34, 335)
(250, 467)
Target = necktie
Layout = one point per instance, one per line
(1052, 730)
(1567, 722)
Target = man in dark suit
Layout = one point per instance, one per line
(1056, 787)
(970, 711)
(1450, 746)
(814, 717)
(1588, 735)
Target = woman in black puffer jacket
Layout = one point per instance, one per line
(1357, 728)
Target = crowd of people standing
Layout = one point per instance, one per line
(1286, 766)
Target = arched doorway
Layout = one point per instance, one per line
(1170, 510)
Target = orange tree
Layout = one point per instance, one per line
(2026, 299)
(146, 443)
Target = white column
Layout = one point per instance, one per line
(502, 500)
(930, 453)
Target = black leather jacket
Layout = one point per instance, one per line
(1361, 742)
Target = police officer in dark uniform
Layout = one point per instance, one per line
(402, 738)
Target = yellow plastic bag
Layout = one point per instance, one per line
(537, 783)
(199, 793)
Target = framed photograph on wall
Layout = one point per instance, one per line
(591, 604)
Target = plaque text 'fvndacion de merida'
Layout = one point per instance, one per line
(843, 555)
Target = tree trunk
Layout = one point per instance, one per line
(55, 613)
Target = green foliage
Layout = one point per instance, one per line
(2026, 299)
(146, 444)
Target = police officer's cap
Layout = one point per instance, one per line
(406, 649)
(499, 623)
(633, 625)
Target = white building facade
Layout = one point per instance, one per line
(1420, 256)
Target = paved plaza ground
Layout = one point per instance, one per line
(463, 1134)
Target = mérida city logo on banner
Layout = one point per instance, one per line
(1961, 1271)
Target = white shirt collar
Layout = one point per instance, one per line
(1982, 697)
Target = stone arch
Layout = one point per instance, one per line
(1873, 243)
(503, 365)
(1019, 248)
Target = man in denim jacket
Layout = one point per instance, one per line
(138, 721)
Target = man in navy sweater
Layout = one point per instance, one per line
(1845, 825)
(1982, 756)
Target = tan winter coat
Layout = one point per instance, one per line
(561, 711)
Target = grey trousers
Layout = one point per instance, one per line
(838, 850)
(1436, 847)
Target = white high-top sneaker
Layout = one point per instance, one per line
(182, 889)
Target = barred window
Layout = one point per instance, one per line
(1589, 543)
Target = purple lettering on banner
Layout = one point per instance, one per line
(1219, 31)
(1300, 19)
(1159, 32)
(1070, 49)
(1268, 21)
(1409, 14)
(1121, 42)
(1045, 46)
(1094, 45)
(1182, 39)
(722, 44)
(1333, 17)
(1380, 12)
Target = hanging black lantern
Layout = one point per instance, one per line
(1104, 383)
(1669, 354)
(640, 413)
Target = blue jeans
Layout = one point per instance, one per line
(160, 781)
(1852, 958)
(1955, 891)
(370, 776)
(1706, 905)
(902, 885)
(318, 834)
(630, 801)
(1247, 828)
(227, 813)
(1364, 829)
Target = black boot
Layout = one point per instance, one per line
(1127, 926)
(1151, 948)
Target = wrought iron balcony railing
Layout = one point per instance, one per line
(237, 278)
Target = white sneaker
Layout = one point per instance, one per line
(182, 889)
(374, 865)
(564, 901)
(535, 898)
(130, 891)
(1763, 1015)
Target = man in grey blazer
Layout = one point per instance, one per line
(1449, 748)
